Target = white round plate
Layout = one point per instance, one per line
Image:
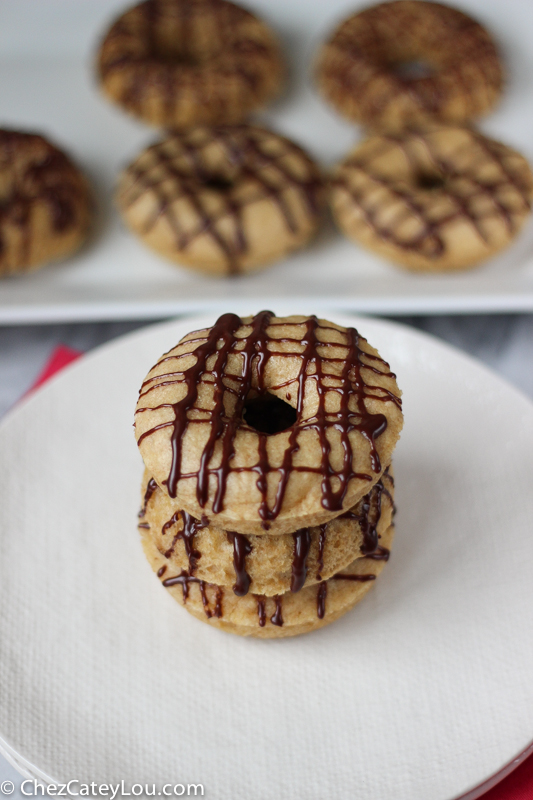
(423, 691)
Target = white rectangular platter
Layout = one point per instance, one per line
(47, 84)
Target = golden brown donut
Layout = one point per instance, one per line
(266, 565)
(177, 63)
(222, 200)
(441, 199)
(44, 203)
(407, 62)
(288, 614)
(266, 424)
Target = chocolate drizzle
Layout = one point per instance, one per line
(261, 613)
(190, 527)
(277, 617)
(185, 580)
(380, 554)
(151, 486)
(321, 595)
(177, 170)
(255, 349)
(302, 545)
(241, 549)
(340, 576)
(321, 545)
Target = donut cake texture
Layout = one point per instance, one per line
(178, 63)
(437, 199)
(222, 200)
(45, 207)
(268, 495)
(409, 62)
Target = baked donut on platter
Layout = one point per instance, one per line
(45, 206)
(283, 615)
(266, 565)
(224, 200)
(407, 62)
(267, 425)
(440, 199)
(178, 63)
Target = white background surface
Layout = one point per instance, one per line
(47, 49)
(420, 695)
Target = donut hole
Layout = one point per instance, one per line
(218, 183)
(413, 70)
(429, 181)
(268, 414)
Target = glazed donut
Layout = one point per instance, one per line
(266, 565)
(284, 615)
(266, 424)
(177, 63)
(443, 199)
(45, 204)
(222, 200)
(408, 62)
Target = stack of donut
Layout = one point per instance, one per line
(267, 503)
(216, 194)
(424, 189)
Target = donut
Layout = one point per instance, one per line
(408, 62)
(178, 63)
(222, 200)
(284, 615)
(441, 199)
(44, 203)
(266, 424)
(266, 565)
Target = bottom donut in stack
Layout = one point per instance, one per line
(268, 586)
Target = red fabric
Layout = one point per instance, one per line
(61, 357)
(517, 786)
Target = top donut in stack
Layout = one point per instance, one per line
(270, 429)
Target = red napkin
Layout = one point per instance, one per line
(517, 786)
(61, 357)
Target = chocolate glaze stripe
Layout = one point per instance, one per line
(321, 595)
(381, 554)
(302, 545)
(321, 545)
(277, 617)
(184, 579)
(151, 486)
(189, 527)
(261, 613)
(220, 342)
(241, 549)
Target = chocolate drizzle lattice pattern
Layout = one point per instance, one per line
(255, 342)
(208, 176)
(478, 181)
(405, 62)
(179, 63)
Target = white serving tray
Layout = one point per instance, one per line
(46, 84)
